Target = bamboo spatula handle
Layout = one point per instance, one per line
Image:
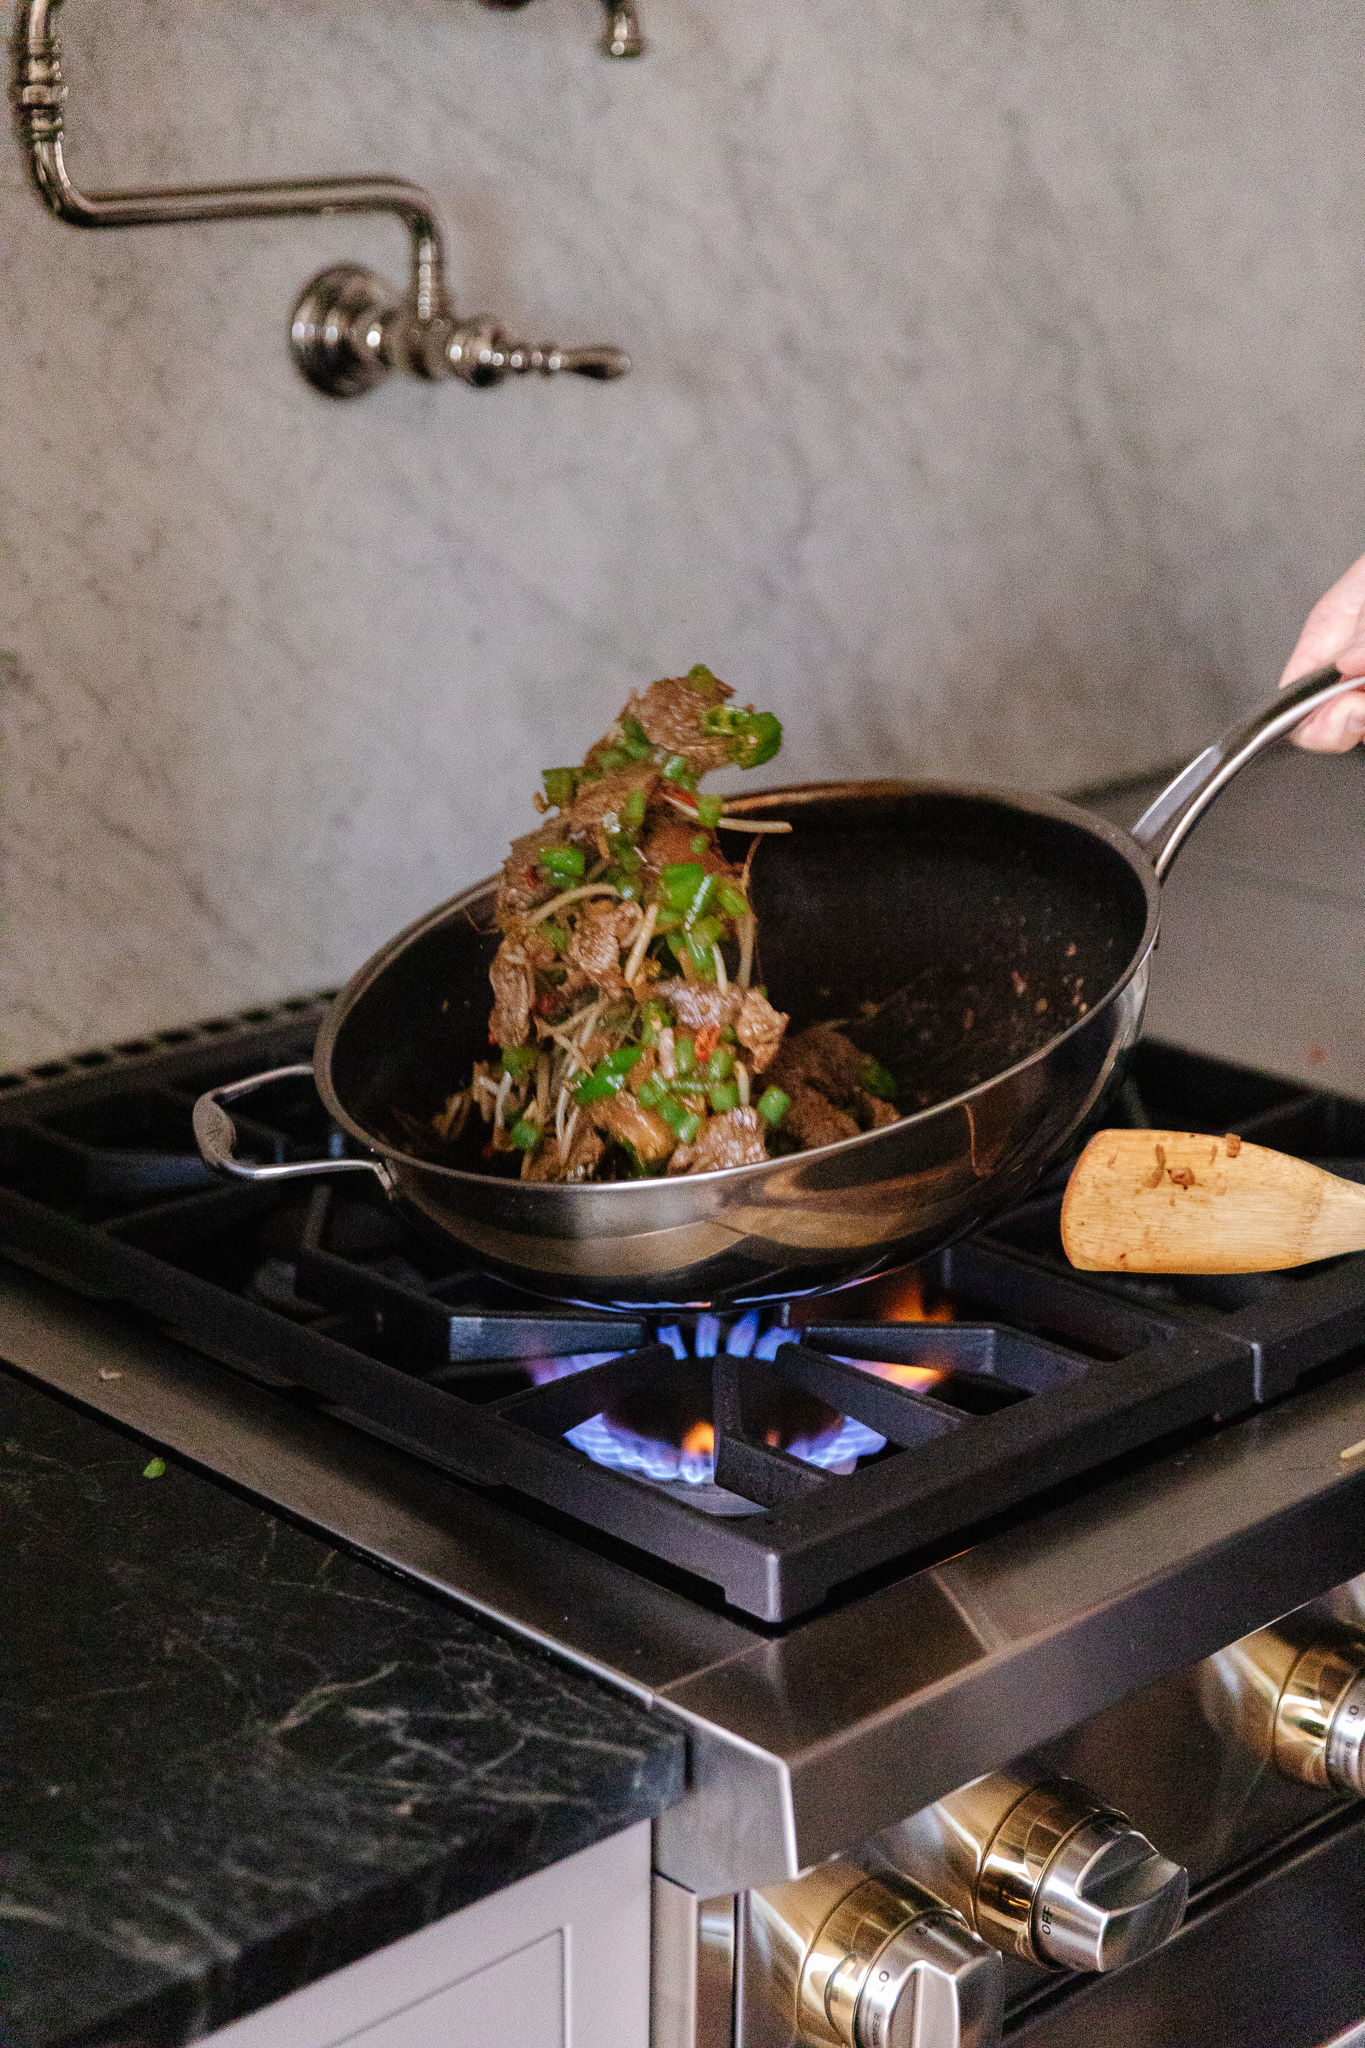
(1176, 1202)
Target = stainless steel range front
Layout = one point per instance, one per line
(997, 1601)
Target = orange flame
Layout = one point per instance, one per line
(700, 1439)
(910, 1306)
(905, 1375)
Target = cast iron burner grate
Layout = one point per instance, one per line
(774, 1460)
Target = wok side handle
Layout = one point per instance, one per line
(1165, 825)
(216, 1136)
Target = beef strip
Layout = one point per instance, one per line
(699, 1004)
(622, 1118)
(821, 1058)
(813, 1121)
(597, 800)
(670, 712)
(514, 986)
(603, 928)
(759, 1028)
(734, 1139)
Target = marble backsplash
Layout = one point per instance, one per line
(999, 408)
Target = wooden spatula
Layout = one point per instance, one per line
(1174, 1202)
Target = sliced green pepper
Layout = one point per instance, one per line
(679, 883)
(772, 1105)
(562, 863)
(560, 785)
(752, 737)
(701, 896)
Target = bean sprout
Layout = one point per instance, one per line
(641, 946)
(746, 949)
(571, 896)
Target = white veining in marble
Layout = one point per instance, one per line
(999, 407)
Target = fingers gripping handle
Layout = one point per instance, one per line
(216, 1136)
(1165, 825)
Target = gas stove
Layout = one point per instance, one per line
(866, 1545)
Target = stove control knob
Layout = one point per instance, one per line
(1295, 1696)
(1043, 1870)
(1068, 1882)
(1106, 1897)
(877, 1965)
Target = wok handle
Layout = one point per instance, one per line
(1164, 826)
(216, 1136)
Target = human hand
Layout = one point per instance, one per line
(1334, 632)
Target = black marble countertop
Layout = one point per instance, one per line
(238, 1758)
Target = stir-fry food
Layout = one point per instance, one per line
(632, 1036)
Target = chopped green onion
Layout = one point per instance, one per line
(560, 784)
(557, 936)
(518, 1060)
(653, 1092)
(721, 1064)
(709, 809)
(676, 771)
(609, 759)
(668, 921)
(525, 1135)
(672, 1112)
(628, 887)
(729, 1035)
(732, 901)
(154, 1469)
(626, 856)
(699, 842)
(619, 1063)
(723, 1095)
(633, 810)
(688, 1128)
(772, 1105)
(684, 1054)
(562, 863)
(878, 1081)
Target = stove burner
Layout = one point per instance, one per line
(808, 1430)
(775, 1457)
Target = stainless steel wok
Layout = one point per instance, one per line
(1005, 942)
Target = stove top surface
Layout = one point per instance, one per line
(772, 1460)
(784, 1527)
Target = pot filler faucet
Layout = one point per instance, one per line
(351, 329)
